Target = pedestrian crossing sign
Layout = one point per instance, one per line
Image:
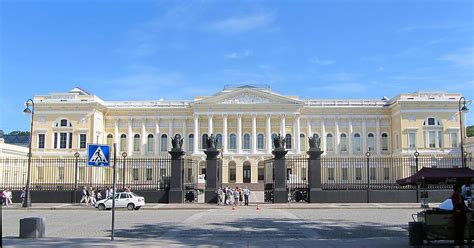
(98, 155)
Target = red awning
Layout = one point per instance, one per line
(438, 175)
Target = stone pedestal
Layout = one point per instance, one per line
(32, 228)
(211, 176)
(176, 194)
(314, 173)
(280, 194)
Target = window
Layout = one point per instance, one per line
(55, 140)
(246, 141)
(343, 142)
(371, 141)
(136, 143)
(149, 174)
(331, 173)
(260, 142)
(63, 123)
(62, 140)
(288, 141)
(219, 141)
(432, 139)
(329, 143)
(232, 172)
(440, 139)
(61, 173)
(384, 142)
(110, 140)
(191, 143)
(150, 143)
(386, 174)
(70, 141)
(412, 140)
(431, 121)
(373, 173)
(164, 142)
(41, 141)
(123, 142)
(135, 174)
(204, 141)
(302, 142)
(82, 140)
(454, 139)
(356, 143)
(232, 142)
(344, 173)
(358, 174)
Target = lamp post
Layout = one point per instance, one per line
(367, 154)
(416, 154)
(27, 201)
(462, 109)
(76, 176)
(124, 155)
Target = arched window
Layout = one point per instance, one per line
(219, 141)
(343, 142)
(136, 143)
(371, 141)
(150, 143)
(232, 142)
(123, 142)
(302, 142)
(288, 141)
(384, 142)
(260, 142)
(110, 140)
(329, 142)
(204, 141)
(191, 143)
(246, 141)
(274, 135)
(357, 143)
(164, 142)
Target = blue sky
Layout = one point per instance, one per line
(132, 50)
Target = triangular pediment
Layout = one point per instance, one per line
(247, 96)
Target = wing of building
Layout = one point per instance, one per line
(244, 119)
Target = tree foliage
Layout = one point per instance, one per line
(19, 133)
(470, 131)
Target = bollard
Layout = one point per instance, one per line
(32, 228)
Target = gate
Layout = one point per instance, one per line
(269, 184)
(190, 180)
(297, 179)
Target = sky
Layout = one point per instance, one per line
(147, 50)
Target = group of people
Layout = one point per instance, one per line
(91, 195)
(6, 196)
(233, 196)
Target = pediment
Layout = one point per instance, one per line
(248, 96)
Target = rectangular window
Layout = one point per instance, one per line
(232, 175)
(440, 139)
(454, 140)
(358, 174)
(135, 174)
(373, 173)
(261, 174)
(61, 173)
(63, 123)
(330, 173)
(412, 140)
(344, 174)
(149, 174)
(55, 140)
(432, 139)
(386, 174)
(62, 140)
(70, 140)
(41, 140)
(82, 140)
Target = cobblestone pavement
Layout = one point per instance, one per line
(243, 227)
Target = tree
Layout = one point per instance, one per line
(470, 131)
(19, 133)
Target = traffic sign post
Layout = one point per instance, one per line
(113, 192)
(98, 155)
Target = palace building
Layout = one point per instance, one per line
(244, 119)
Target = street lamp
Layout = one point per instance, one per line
(417, 154)
(27, 201)
(367, 154)
(462, 109)
(76, 156)
(124, 155)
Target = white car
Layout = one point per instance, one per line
(127, 200)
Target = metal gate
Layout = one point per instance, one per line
(269, 182)
(297, 179)
(190, 180)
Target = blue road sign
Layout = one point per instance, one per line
(98, 155)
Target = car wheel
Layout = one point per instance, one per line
(130, 206)
(101, 206)
(136, 208)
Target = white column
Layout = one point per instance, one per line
(337, 139)
(364, 147)
(282, 125)
(224, 135)
(209, 125)
(351, 136)
(269, 134)
(185, 135)
(254, 134)
(323, 135)
(196, 134)
(144, 138)
(130, 138)
(239, 133)
(377, 136)
(170, 133)
(116, 134)
(309, 129)
(297, 135)
(157, 137)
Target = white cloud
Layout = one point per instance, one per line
(381, 68)
(239, 55)
(464, 58)
(318, 61)
(243, 24)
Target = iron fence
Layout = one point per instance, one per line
(297, 178)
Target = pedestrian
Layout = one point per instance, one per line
(84, 196)
(459, 215)
(9, 196)
(98, 195)
(23, 195)
(92, 197)
(219, 196)
(246, 195)
(241, 199)
(107, 192)
(225, 195)
(4, 198)
(229, 196)
(236, 197)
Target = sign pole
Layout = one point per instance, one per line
(113, 191)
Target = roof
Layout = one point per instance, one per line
(438, 175)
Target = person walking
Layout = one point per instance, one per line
(219, 196)
(229, 196)
(4, 198)
(84, 196)
(236, 197)
(22, 195)
(246, 195)
(459, 215)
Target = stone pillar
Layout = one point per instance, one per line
(280, 194)
(130, 139)
(323, 136)
(337, 138)
(364, 147)
(297, 135)
(157, 137)
(209, 125)
(282, 125)
(211, 175)
(378, 142)
(351, 137)
(224, 135)
(254, 134)
(269, 134)
(185, 135)
(176, 194)
(239, 134)
(196, 135)
(116, 133)
(144, 138)
(170, 131)
(314, 174)
(309, 129)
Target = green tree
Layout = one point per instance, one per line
(19, 133)
(470, 131)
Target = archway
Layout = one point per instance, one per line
(247, 172)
